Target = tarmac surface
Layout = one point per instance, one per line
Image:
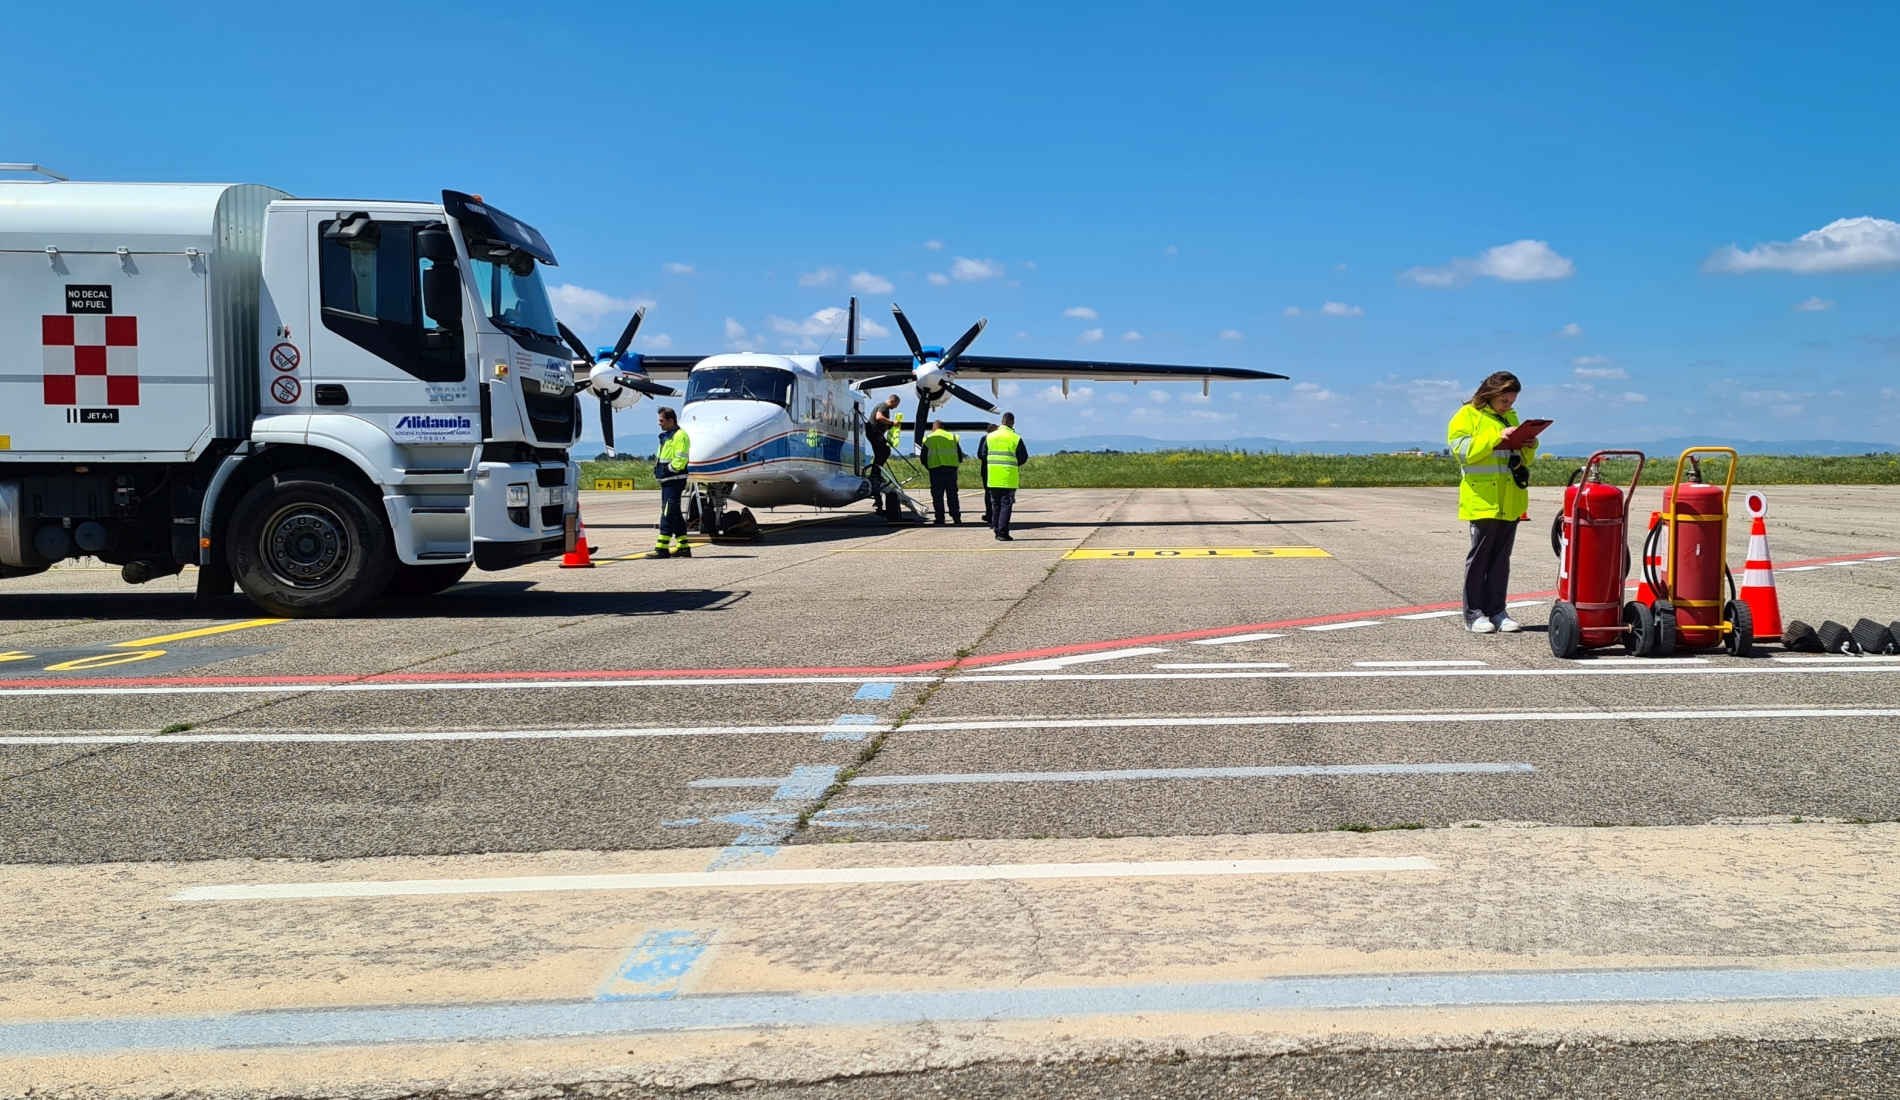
(1003, 803)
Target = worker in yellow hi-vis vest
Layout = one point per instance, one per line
(942, 455)
(1002, 455)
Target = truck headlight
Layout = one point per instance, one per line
(517, 494)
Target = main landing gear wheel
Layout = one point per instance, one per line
(304, 545)
(1639, 629)
(1740, 640)
(1565, 633)
(1665, 641)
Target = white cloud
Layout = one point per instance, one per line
(934, 246)
(1632, 398)
(810, 333)
(1845, 244)
(677, 268)
(583, 308)
(1209, 414)
(1029, 264)
(1313, 391)
(1116, 397)
(866, 283)
(824, 276)
(1232, 334)
(738, 338)
(1813, 305)
(965, 270)
(1090, 336)
(1081, 313)
(1009, 389)
(1341, 309)
(1290, 311)
(1523, 261)
(1571, 331)
(660, 341)
(1171, 250)
(1160, 397)
(1427, 396)
(1131, 337)
(1596, 366)
(1076, 393)
(938, 278)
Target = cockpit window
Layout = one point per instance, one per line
(740, 384)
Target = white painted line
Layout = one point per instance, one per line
(296, 738)
(792, 877)
(1430, 614)
(1122, 775)
(1648, 660)
(1525, 603)
(1831, 658)
(1757, 714)
(1800, 569)
(1231, 664)
(1052, 663)
(1601, 666)
(1884, 557)
(1417, 664)
(1353, 625)
(1234, 639)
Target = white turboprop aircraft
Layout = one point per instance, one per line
(770, 430)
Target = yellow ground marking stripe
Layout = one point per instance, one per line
(201, 632)
(1196, 552)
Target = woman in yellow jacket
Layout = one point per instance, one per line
(1493, 493)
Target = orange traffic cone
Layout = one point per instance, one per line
(1652, 563)
(1758, 576)
(580, 557)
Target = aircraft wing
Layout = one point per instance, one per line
(981, 367)
(662, 366)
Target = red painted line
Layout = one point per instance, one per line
(291, 683)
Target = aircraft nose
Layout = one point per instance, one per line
(730, 435)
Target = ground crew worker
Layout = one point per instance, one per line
(1002, 455)
(1493, 493)
(669, 467)
(942, 454)
(881, 430)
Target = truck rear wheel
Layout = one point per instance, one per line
(303, 545)
(426, 580)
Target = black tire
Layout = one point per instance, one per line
(1639, 629)
(304, 545)
(1740, 640)
(1664, 644)
(1836, 638)
(1873, 638)
(1564, 632)
(426, 580)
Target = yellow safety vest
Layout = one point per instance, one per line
(1000, 469)
(1486, 489)
(940, 449)
(895, 437)
(670, 463)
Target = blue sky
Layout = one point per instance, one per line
(1630, 209)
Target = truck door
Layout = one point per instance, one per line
(389, 346)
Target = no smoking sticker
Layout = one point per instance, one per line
(285, 390)
(285, 357)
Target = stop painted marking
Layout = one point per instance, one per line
(1197, 552)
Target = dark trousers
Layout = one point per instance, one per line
(943, 487)
(672, 520)
(1002, 503)
(1488, 567)
(880, 453)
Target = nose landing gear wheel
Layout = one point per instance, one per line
(1565, 633)
(1639, 629)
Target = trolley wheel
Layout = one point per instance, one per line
(1664, 642)
(1740, 640)
(1565, 633)
(1639, 629)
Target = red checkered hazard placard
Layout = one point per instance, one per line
(92, 360)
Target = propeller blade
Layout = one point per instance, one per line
(651, 389)
(573, 341)
(923, 410)
(950, 357)
(976, 399)
(910, 334)
(607, 422)
(626, 335)
(885, 381)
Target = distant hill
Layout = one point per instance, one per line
(1386, 446)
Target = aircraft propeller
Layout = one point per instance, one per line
(934, 373)
(621, 379)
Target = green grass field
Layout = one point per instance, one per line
(1225, 469)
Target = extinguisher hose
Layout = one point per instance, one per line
(1650, 576)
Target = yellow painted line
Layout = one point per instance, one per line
(201, 632)
(15, 655)
(1196, 552)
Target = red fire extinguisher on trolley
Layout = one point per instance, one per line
(1591, 537)
(1689, 607)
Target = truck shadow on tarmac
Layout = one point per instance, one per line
(468, 600)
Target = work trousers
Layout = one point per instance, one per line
(880, 453)
(1488, 568)
(1002, 503)
(943, 487)
(672, 520)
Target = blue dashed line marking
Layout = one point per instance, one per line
(656, 967)
(875, 691)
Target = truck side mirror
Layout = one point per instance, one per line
(442, 294)
(433, 242)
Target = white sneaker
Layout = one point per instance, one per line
(1482, 626)
(1507, 625)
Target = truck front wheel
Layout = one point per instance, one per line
(303, 545)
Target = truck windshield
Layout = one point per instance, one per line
(740, 384)
(514, 300)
